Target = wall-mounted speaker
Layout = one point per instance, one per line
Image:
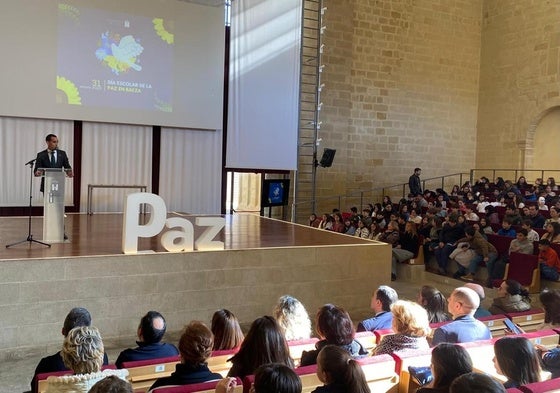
(327, 158)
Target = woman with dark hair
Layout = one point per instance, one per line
(476, 382)
(226, 330)
(550, 300)
(269, 378)
(517, 359)
(338, 223)
(339, 372)
(195, 347)
(552, 233)
(334, 327)
(435, 304)
(386, 201)
(449, 361)
(264, 343)
(512, 297)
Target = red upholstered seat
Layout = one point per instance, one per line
(501, 243)
(148, 362)
(523, 268)
(552, 385)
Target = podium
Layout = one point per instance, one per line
(53, 202)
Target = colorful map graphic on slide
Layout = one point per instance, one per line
(115, 60)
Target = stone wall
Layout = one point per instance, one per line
(401, 90)
(519, 81)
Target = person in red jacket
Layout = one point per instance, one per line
(549, 262)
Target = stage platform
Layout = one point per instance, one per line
(262, 260)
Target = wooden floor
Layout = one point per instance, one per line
(101, 234)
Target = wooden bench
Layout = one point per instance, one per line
(528, 320)
(416, 358)
(143, 373)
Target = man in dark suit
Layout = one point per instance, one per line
(78, 316)
(51, 158)
(150, 332)
(381, 302)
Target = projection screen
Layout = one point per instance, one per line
(152, 62)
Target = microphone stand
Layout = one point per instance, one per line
(29, 238)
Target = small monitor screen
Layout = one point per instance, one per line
(275, 192)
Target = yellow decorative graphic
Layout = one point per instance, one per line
(69, 11)
(162, 32)
(70, 89)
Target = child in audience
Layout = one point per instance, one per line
(552, 233)
(449, 361)
(339, 372)
(269, 378)
(226, 330)
(532, 235)
(549, 262)
(506, 229)
(517, 359)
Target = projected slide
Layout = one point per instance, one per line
(114, 60)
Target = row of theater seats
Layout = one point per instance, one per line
(384, 373)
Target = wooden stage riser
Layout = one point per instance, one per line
(37, 293)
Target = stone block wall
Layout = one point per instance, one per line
(519, 81)
(401, 90)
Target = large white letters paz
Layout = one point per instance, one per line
(179, 237)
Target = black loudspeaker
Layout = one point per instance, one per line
(328, 157)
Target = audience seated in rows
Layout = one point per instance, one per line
(112, 384)
(511, 297)
(411, 327)
(476, 382)
(195, 346)
(269, 378)
(449, 361)
(264, 343)
(150, 332)
(480, 311)
(435, 304)
(78, 316)
(82, 352)
(463, 303)
(293, 318)
(226, 330)
(548, 261)
(484, 252)
(334, 327)
(339, 372)
(381, 302)
(517, 360)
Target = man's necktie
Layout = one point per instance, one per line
(53, 159)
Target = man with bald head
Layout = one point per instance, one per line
(462, 305)
(150, 332)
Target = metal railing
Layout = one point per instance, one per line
(361, 198)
